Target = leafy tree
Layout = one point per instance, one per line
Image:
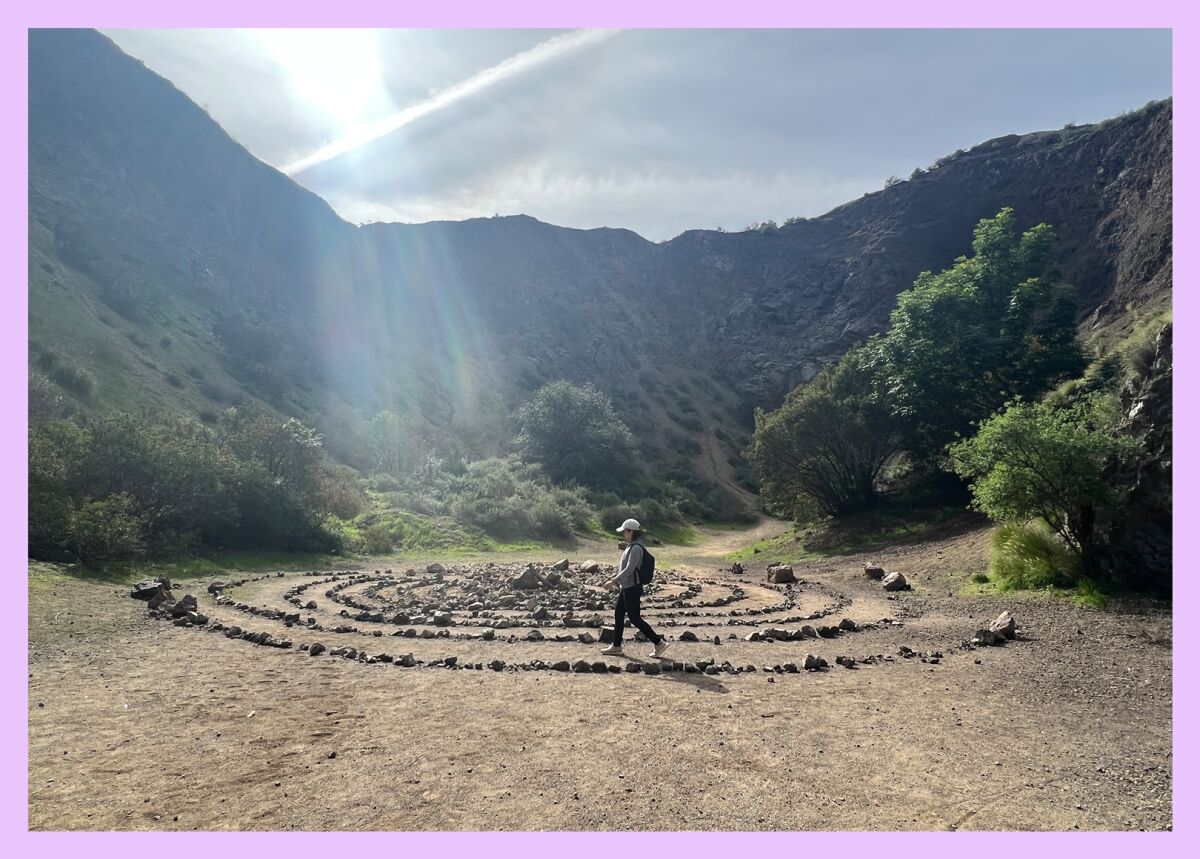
(827, 443)
(575, 435)
(1036, 461)
(994, 326)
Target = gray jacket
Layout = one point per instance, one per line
(630, 561)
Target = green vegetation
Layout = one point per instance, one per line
(827, 444)
(1037, 460)
(573, 432)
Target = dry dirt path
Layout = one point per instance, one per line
(138, 724)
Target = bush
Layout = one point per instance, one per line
(1031, 557)
(575, 435)
(377, 540)
(1038, 461)
(828, 442)
(107, 530)
(513, 500)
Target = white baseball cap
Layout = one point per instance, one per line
(631, 525)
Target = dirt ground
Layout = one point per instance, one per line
(135, 724)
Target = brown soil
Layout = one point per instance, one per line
(138, 724)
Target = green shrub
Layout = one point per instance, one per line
(377, 540)
(107, 530)
(575, 435)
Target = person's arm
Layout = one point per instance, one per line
(627, 576)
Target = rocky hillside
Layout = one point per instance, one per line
(171, 270)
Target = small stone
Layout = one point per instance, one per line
(894, 582)
(874, 571)
(1005, 625)
(316, 649)
(688, 635)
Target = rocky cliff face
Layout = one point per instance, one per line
(1142, 544)
(150, 226)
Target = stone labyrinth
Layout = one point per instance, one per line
(519, 609)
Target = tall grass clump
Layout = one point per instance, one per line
(1031, 557)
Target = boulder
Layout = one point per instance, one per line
(848, 625)
(488, 634)
(688, 635)
(535, 635)
(1005, 625)
(188, 603)
(561, 665)
(316, 649)
(541, 613)
(651, 668)
(528, 580)
(589, 567)
(441, 618)
(809, 631)
(216, 587)
(582, 666)
(894, 582)
(874, 571)
(846, 661)
(144, 590)
(737, 569)
(778, 633)
(159, 598)
(406, 661)
(496, 665)
(781, 575)
(599, 667)
(814, 663)
(561, 565)
(435, 569)
(588, 638)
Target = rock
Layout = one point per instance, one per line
(599, 666)
(1005, 625)
(554, 577)
(435, 569)
(582, 666)
(188, 603)
(778, 633)
(561, 566)
(607, 634)
(848, 625)
(792, 668)
(528, 580)
(316, 649)
(814, 663)
(809, 631)
(781, 575)
(716, 639)
(561, 665)
(827, 631)
(651, 668)
(541, 613)
(407, 661)
(160, 598)
(688, 635)
(144, 590)
(712, 669)
(874, 571)
(535, 635)
(589, 567)
(216, 587)
(846, 661)
(588, 638)
(496, 665)
(441, 618)
(310, 605)
(894, 582)
(488, 633)
(737, 569)
(987, 638)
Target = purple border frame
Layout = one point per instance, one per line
(593, 13)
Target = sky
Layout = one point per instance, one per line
(657, 131)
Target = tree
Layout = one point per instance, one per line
(573, 432)
(827, 443)
(1037, 461)
(994, 326)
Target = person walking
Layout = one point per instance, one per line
(629, 601)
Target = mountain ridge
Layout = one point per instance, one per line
(186, 275)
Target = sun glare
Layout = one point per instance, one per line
(334, 72)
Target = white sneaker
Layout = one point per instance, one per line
(660, 648)
(613, 650)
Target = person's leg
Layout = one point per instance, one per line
(619, 620)
(633, 605)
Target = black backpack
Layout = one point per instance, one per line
(646, 571)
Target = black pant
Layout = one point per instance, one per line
(630, 602)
